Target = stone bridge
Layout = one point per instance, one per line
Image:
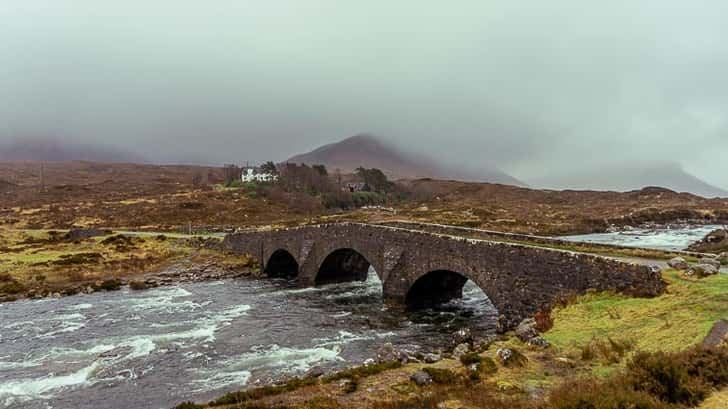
(419, 268)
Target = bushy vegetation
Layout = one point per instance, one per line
(258, 393)
(361, 199)
(441, 376)
(363, 371)
(650, 380)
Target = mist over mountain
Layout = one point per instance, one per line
(628, 177)
(55, 150)
(371, 152)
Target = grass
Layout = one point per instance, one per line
(62, 264)
(363, 371)
(671, 322)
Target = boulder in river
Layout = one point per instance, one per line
(716, 241)
(463, 336)
(701, 270)
(678, 263)
(389, 352)
(431, 358)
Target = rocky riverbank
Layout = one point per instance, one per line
(596, 351)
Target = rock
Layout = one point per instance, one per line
(717, 335)
(483, 343)
(526, 329)
(678, 263)
(712, 261)
(389, 352)
(431, 358)
(315, 372)
(504, 354)
(463, 336)
(80, 234)
(538, 342)
(701, 270)
(715, 241)
(421, 378)
(460, 350)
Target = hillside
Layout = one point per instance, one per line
(371, 152)
(56, 150)
(625, 178)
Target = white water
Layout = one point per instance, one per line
(665, 238)
(156, 348)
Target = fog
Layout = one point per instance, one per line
(534, 88)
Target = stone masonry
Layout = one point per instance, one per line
(415, 265)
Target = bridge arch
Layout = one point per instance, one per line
(281, 264)
(342, 265)
(435, 287)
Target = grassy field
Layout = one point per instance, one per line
(680, 317)
(42, 262)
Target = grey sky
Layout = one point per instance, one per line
(531, 87)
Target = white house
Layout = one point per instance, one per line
(255, 175)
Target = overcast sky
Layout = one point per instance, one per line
(531, 87)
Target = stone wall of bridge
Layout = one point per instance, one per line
(417, 266)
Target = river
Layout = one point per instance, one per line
(155, 348)
(660, 238)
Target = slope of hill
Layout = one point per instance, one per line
(632, 177)
(368, 151)
(55, 150)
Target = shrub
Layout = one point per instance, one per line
(516, 359)
(351, 385)
(188, 405)
(611, 351)
(441, 376)
(258, 393)
(544, 321)
(109, 285)
(488, 366)
(650, 380)
(471, 358)
(363, 371)
(368, 198)
(12, 287)
(138, 285)
(592, 394)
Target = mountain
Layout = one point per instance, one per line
(370, 152)
(53, 150)
(624, 178)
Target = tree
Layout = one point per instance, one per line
(375, 178)
(321, 169)
(269, 167)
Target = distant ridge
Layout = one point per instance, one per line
(633, 177)
(56, 150)
(369, 151)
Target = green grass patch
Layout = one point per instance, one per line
(363, 371)
(259, 393)
(441, 376)
(671, 322)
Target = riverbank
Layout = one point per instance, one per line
(49, 263)
(597, 345)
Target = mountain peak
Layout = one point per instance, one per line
(372, 152)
